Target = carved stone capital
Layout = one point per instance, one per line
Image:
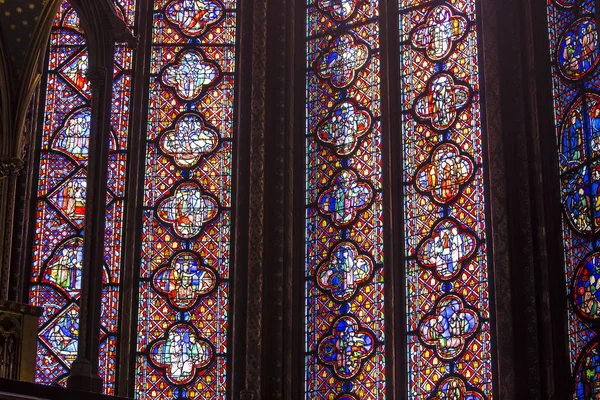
(246, 395)
(10, 166)
(98, 76)
(19, 308)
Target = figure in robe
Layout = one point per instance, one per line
(590, 300)
(78, 74)
(186, 280)
(595, 127)
(79, 202)
(69, 199)
(442, 36)
(63, 335)
(65, 269)
(456, 243)
(454, 392)
(175, 351)
(573, 141)
(438, 331)
(579, 205)
(448, 177)
(446, 254)
(569, 54)
(60, 271)
(438, 108)
(589, 379)
(588, 46)
(339, 196)
(455, 330)
(182, 213)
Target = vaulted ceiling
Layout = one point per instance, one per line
(18, 20)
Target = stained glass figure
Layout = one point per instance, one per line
(189, 140)
(344, 271)
(61, 200)
(193, 16)
(448, 322)
(576, 79)
(185, 280)
(181, 354)
(191, 75)
(344, 325)
(346, 124)
(183, 310)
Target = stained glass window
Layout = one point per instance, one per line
(344, 326)
(576, 81)
(61, 195)
(448, 315)
(183, 314)
(57, 247)
(183, 276)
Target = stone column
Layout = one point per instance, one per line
(84, 371)
(9, 171)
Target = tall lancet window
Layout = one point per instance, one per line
(576, 80)
(344, 327)
(57, 247)
(61, 197)
(446, 245)
(183, 313)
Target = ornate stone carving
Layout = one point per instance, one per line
(10, 166)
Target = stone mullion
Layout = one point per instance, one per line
(288, 152)
(84, 371)
(254, 284)
(133, 225)
(499, 271)
(275, 202)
